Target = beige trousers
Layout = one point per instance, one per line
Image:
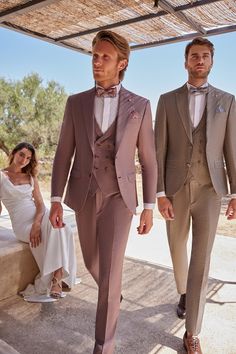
(103, 226)
(201, 205)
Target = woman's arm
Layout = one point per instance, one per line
(35, 233)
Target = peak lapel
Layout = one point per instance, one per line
(183, 108)
(88, 115)
(125, 108)
(212, 99)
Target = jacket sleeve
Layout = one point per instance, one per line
(64, 153)
(161, 143)
(147, 157)
(230, 146)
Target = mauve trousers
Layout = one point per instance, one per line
(103, 226)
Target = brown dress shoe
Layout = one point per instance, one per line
(181, 309)
(192, 344)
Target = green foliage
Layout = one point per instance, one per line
(3, 160)
(30, 111)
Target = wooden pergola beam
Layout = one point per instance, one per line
(137, 19)
(186, 37)
(24, 8)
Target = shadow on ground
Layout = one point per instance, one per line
(147, 319)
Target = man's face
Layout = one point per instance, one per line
(106, 64)
(199, 62)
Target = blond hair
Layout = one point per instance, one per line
(120, 44)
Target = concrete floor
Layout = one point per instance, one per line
(147, 324)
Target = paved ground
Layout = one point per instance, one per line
(147, 324)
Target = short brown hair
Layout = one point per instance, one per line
(119, 42)
(31, 168)
(199, 41)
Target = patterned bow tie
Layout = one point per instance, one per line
(198, 89)
(110, 92)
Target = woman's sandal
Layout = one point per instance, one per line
(55, 294)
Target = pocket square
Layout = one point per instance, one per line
(220, 109)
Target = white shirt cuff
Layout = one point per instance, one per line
(149, 206)
(160, 194)
(56, 199)
(232, 195)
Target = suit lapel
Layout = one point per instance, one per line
(183, 109)
(88, 115)
(125, 107)
(212, 102)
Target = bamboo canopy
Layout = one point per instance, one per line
(74, 23)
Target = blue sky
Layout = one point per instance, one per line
(151, 71)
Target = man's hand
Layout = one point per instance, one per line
(56, 215)
(146, 221)
(231, 210)
(165, 207)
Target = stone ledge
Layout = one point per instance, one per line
(18, 267)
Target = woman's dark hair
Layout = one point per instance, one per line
(31, 168)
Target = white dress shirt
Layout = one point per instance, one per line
(105, 109)
(197, 104)
(105, 112)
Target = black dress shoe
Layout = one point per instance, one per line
(181, 307)
(121, 298)
(97, 348)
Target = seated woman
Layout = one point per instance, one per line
(53, 249)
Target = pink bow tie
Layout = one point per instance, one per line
(110, 92)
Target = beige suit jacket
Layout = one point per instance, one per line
(173, 138)
(76, 146)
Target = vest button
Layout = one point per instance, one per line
(188, 164)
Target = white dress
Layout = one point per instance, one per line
(57, 248)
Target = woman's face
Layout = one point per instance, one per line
(22, 158)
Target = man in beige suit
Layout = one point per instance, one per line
(195, 142)
(101, 130)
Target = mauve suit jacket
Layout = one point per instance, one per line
(173, 135)
(76, 146)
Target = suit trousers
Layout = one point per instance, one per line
(201, 204)
(103, 226)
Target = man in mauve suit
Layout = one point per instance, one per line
(101, 130)
(196, 146)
